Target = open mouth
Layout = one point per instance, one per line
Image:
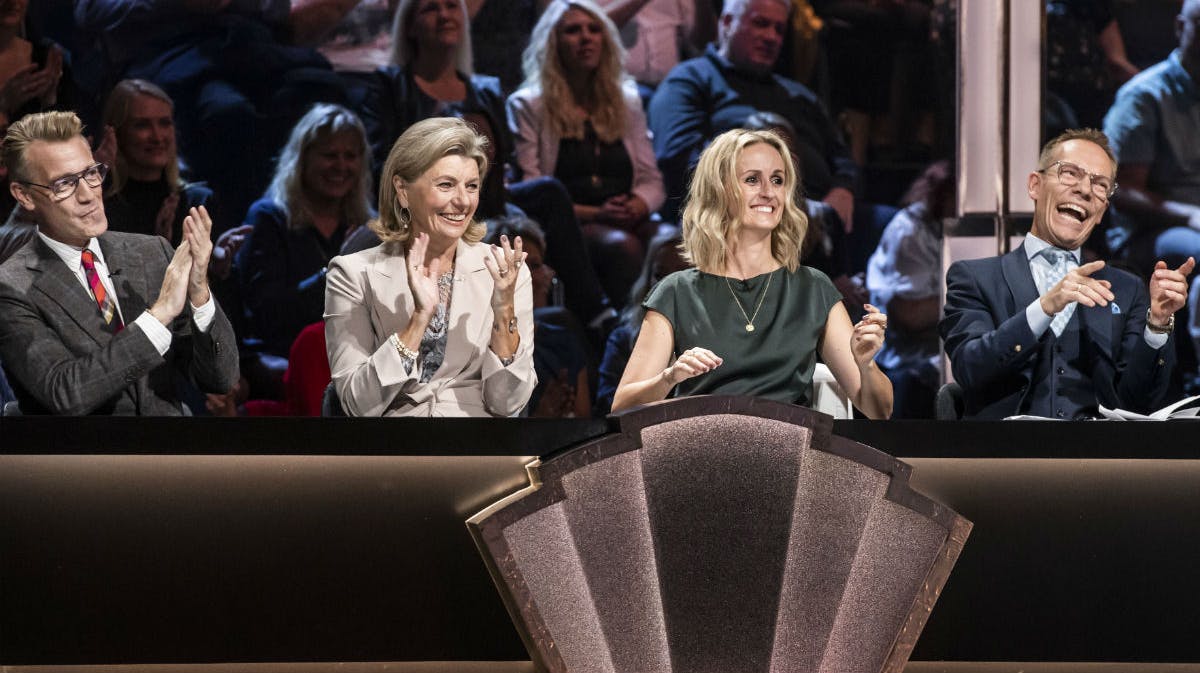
(1073, 211)
(457, 218)
(764, 209)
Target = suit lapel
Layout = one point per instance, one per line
(469, 318)
(59, 284)
(1015, 266)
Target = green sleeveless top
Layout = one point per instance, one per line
(776, 360)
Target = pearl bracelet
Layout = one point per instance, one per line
(404, 351)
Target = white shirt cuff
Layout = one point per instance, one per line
(1154, 339)
(1038, 321)
(159, 336)
(203, 315)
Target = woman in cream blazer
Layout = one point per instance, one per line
(431, 322)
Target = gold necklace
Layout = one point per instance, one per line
(763, 295)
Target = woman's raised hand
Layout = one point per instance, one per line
(422, 279)
(692, 362)
(504, 264)
(868, 335)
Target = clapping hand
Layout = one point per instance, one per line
(505, 265)
(422, 278)
(197, 234)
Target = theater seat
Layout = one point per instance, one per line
(718, 534)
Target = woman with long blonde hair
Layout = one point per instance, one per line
(579, 118)
(749, 319)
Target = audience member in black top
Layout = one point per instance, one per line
(320, 192)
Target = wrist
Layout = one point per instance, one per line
(1160, 324)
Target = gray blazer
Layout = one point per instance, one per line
(61, 360)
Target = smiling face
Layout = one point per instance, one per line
(147, 138)
(761, 177)
(580, 41)
(75, 219)
(753, 40)
(436, 23)
(333, 166)
(443, 200)
(1064, 216)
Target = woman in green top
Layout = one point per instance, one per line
(749, 319)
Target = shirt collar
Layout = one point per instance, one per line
(69, 254)
(1034, 247)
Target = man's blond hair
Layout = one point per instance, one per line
(51, 127)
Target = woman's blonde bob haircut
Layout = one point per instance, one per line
(416, 151)
(712, 215)
(404, 47)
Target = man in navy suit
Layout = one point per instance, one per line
(1036, 332)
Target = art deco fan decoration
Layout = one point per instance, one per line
(722, 535)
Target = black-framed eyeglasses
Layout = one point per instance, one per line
(64, 187)
(1072, 174)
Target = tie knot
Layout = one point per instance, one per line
(89, 260)
(1056, 256)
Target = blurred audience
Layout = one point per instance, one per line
(663, 258)
(560, 348)
(904, 277)
(578, 120)
(706, 96)
(319, 193)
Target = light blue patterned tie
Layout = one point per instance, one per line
(1061, 262)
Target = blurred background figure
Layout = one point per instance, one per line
(560, 355)
(320, 192)
(580, 119)
(904, 277)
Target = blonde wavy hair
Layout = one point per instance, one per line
(116, 115)
(712, 214)
(416, 151)
(404, 48)
(545, 71)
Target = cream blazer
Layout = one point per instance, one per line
(367, 299)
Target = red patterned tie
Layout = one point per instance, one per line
(108, 307)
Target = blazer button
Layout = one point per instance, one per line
(1060, 413)
(1161, 362)
(1017, 348)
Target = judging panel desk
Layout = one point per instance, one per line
(209, 541)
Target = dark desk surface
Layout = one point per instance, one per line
(267, 540)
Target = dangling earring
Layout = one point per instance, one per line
(403, 216)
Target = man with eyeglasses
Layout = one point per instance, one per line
(1038, 332)
(98, 322)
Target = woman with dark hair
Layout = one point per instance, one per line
(431, 322)
(579, 118)
(319, 193)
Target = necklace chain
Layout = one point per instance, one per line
(762, 295)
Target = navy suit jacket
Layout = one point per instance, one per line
(994, 354)
(61, 358)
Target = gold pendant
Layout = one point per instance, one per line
(749, 327)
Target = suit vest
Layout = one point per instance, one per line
(1062, 378)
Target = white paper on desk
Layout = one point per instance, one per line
(1028, 417)
(1188, 407)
